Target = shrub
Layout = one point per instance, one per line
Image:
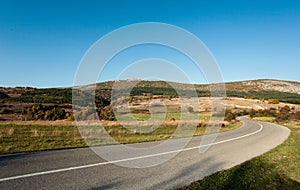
(229, 116)
(282, 116)
(36, 108)
(88, 113)
(285, 109)
(40, 114)
(3, 95)
(4, 111)
(190, 109)
(107, 114)
(55, 114)
(273, 101)
(296, 116)
(71, 118)
(252, 113)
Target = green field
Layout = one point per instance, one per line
(277, 169)
(169, 115)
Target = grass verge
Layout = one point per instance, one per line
(25, 138)
(277, 169)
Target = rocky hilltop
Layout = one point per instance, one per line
(274, 85)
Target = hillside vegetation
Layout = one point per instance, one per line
(25, 103)
(267, 89)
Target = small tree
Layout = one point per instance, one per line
(252, 113)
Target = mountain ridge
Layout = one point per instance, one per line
(240, 86)
(259, 85)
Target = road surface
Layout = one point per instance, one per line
(83, 169)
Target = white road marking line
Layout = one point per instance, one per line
(127, 159)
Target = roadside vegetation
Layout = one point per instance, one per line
(25, 138)
(277, 169)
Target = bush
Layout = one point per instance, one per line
(273, 101)
(88, 113)
(190, 109)
(282, 116)
(107, 114)
(296, 116)
(70, 117)
(55, 114)
(40, 114)
(49, 112)
(285, 109)
(229, 116)
(4, 111)
(36, 108)
(252, 113)
(3, 95)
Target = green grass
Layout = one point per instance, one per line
(277, 169)
(25, 138)
(176, 115)
(141, 117)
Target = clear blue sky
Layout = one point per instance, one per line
(42, 42)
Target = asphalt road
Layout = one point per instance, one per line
(83, 169)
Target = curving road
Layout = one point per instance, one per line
(83, 169)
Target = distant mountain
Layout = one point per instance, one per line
(240, 86)
(285, 91)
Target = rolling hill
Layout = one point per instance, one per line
(22, 103)
(283, 90)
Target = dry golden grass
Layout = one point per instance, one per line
(23, 138)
